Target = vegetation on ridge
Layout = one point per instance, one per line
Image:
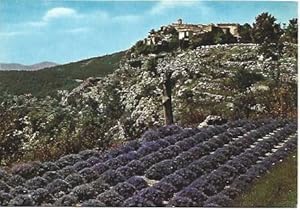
(48, 81)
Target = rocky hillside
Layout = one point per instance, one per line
(233, 81)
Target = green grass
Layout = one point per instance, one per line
(49, 80)
(275, 189)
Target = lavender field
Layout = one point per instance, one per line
(170, 166)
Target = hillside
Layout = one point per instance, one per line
(49, 80)
(232, 81)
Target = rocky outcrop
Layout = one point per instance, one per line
(124, 104)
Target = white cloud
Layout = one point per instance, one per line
(54, 13)
(59, 12)
(164, 5)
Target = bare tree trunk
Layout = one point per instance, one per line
(167, 100)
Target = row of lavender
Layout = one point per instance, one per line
(167, 167)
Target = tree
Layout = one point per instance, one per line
(167, 98)
(228, 38)
(245, 99)
(245, 33)
(221, 37)
(291, 32)
(201, 39)
(243, 79)
(217, 36)
(265, 29)
(166, 82)
(267, 33)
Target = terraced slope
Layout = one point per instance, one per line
(171, 166)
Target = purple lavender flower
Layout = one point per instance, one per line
(161, 169)
(124, 189)
(100, 168)
(88, 174)
(66, 200)
(137, 166)
(111, 198)
(137, 201)
(75, 179)
(99, 185)
(84, 192)
(81, 165)
(5, 198)
(22, 200)
(112, 177)
(92, 203)
(36, 182)
(138, 182)
(167, 189)
(41, 195)
(181, 202)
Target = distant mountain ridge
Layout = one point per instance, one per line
(61, 77)
(17, 66)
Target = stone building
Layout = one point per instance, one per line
(187, 31)
(232, 27)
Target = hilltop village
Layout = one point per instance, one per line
(186, 31)
(186, 35)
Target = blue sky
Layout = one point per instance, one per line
(32, 31)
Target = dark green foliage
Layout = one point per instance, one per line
(245, 33)
(267, 33)
(216, 36)
(291, 32)
(265, 29)
(221, 37)
(151, 65)
(142, 48)
(49, 80)
(243, 79)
